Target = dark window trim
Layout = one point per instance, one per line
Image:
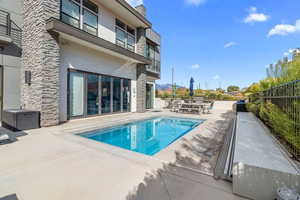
(85, 73)
(81, 11)
(127, 34)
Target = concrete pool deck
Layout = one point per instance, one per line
(54, 164)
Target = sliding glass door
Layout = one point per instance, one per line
(149, 96)
(116, 95)
(126, 95)
(1, 91)
(76, 92)
(105, 94)
(92, 94)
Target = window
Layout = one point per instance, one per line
(90, 22)
(94, 94)
(126, 95)
(76, 94)
(125, 36)
(116, 95)
(150, 51)
(71, 11)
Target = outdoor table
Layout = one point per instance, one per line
(191, 107)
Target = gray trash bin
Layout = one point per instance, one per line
(287, 194)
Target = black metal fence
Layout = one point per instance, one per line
(287, 98)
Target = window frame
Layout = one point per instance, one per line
(85, 91)
(63, 13)
(81, 22)
(127, 34)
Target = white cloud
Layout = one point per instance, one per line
(194, 2)
(291, 51)
(254, 16)
(285, 29)
(135, 2)
(230, 44)
(195, 66)
(216, 77)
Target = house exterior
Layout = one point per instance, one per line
(83, 58)
(10, 53)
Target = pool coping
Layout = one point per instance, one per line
(198, 122)
(73, 135)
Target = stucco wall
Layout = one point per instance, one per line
(106, 25)
(10, 59)
(11, 80)
(75, 56)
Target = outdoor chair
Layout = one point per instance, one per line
(176, 106)
(208, 108)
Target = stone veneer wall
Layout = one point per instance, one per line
(141, 71)
(141, 88)
(41, 56)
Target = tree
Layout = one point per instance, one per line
(220, 90)
(233, 88)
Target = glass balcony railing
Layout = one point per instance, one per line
(154, 67)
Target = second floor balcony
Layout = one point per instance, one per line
(154, 67)
(81, 20)
(9, 31)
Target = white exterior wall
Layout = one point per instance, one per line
(74, 56)
(12, 82)
(11, 64)
(106, 25)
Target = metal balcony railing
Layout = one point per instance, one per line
(4, 23)
(9, 28)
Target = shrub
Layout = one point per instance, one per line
(280, 122)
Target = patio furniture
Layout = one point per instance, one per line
(208, 107)
(191, 108)
(176, 105)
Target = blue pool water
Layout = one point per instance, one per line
(147, 136)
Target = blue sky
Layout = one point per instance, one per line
(223, 42)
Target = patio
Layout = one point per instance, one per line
(53, 163)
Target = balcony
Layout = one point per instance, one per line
(84, 38)
(153, 70)
(9, 31)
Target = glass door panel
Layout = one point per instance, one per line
(92, 94)
(76, 92)
(105, 94)
(1, 91)
(126, 95)
(116, 94)
(149, 96)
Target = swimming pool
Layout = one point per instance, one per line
(145, 136)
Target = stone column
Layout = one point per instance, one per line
(141, 71)
(41, 56)
(141, 88)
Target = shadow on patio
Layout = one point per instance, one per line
(185, 178)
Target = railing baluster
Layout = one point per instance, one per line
(287, 98)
